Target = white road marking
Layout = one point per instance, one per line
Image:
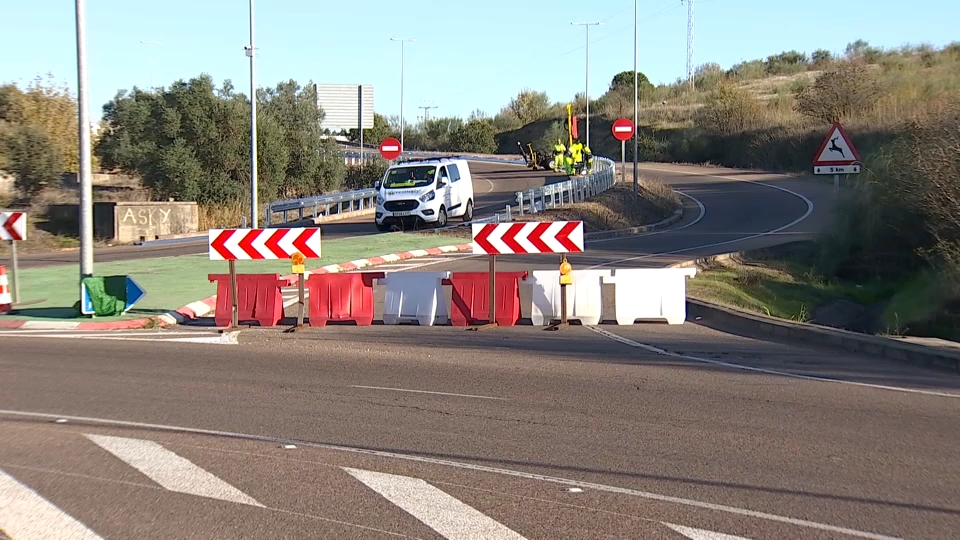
(700, 215)
(467, 466)
(658, 350)
(227, 338)
(25, 515)
(793, 223)
(448, 516)
(700, 534)
(171, 471)
(427, 392)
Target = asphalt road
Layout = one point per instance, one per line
(495, 186)
(725, 210)
(439, 433)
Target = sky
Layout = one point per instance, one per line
(467, 55)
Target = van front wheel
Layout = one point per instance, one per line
(442, 217)
(468, 215)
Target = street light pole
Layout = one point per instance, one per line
(636, 105)
(251, 52)
(83, 127)
(587, 76)
(401, 40)
(153, 60)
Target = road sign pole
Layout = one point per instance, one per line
(234, 309)
(836, 182)
(623, 161)
(14, 272)
(300, 304)
(493, 290)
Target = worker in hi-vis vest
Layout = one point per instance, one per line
(558, 159)
(588, 158)
(576, 153)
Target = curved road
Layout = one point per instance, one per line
(494, 187)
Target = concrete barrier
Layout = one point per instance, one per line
(128, 222)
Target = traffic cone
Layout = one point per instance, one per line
(6, 300)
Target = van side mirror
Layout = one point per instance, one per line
(443, 181)
(376, 184)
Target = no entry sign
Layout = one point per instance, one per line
(623, 129)
(390, 149)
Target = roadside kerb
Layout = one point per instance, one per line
(633, 231)
(727, 318)
(201, 308)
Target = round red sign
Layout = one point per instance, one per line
(390, 149)
(623, 129)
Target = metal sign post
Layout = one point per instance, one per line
(493, 297)
(234, 309)
(14, 272)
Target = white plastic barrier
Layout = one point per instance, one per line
(415, 296)
(584, 300)
(651, 294)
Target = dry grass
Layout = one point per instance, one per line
(617, 208)
(222, 216)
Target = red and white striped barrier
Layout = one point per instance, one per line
(6, 299)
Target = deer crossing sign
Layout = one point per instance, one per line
(837, 154)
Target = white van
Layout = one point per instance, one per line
(424, 191)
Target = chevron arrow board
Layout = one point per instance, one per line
(259, 244)
(532, 237)
(13, 226)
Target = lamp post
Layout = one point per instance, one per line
(587, 25)
(84, 178)
(251, 52)
(401, 40)
(636, 106)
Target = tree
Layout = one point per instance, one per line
(844, 91)
(191, 141)
(821, 57)
(625, 78)
(530, 106)
(785, 62)
(381, 130)
(476, 136)
(49, 107)
(34, 159)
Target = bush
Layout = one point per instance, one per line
(840, 93)
(364, 177)
(476, 136)
(730, 110)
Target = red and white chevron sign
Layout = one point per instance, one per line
(532, 237)
(258, 244)
(13, 226)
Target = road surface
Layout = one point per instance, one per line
(403, 432)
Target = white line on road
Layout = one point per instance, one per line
(448, 516)
(465, 466)
(427, 392)
(25, 515)
(700, 534)
(664, 352)
(171, 471)
(227, 338)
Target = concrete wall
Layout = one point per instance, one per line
(128, 222)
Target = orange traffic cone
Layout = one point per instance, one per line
(6, 300)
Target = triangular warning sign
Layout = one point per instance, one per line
(836, 149)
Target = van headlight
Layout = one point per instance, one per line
(380, 199)
(427, 197)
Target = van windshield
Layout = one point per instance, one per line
(410, 177)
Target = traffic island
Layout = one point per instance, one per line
(174, 285)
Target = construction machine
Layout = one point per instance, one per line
(534, 159)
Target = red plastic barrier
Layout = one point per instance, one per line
(471, 294)
(342, 297)
(259, 298)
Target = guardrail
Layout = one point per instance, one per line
(343, 202)
(532, 200)
(569, 192)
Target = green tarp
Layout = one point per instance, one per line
(108, 294)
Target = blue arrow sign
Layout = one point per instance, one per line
(135, 293)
